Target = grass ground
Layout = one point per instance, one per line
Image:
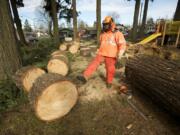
(98, 112)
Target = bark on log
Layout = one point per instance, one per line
(58, 64)
(52, 96)
(157, 78)
(58, 53)
(26, 76)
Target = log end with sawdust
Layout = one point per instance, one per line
(26, 76)
(52, 96)
(158, 78)
(74, 48)
(58, 64)
(64, 46)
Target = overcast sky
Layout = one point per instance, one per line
(125, 9)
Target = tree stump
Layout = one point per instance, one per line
(158, 78)
(26, 76)
(52, 96)
(58, 64)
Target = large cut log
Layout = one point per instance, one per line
(58, 64)
(158, 78)
(26, 76)
(74, 48)
(52, 96)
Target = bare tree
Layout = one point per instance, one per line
(17, 20)
(177, 12)
(74, 20)
(98, 18)
(144, 17)
(135, 21)
(44, 18)
(55, 21)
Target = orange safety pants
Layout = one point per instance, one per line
(109, 64)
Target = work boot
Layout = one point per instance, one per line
(108, 85)
(82, 78)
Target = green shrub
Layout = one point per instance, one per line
(10, 95)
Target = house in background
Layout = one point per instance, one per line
(66, 34)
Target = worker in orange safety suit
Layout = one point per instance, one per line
(112, 47)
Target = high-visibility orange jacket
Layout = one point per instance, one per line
(111, 43)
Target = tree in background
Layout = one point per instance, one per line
(27, 26)
(74, 20)
(177, 12)
(135, 20)
(150, 26)
(44, 18)
(98, 18)
(14, 5)
(82, 24)
(142, 28)
(9, 55)
(53, 7)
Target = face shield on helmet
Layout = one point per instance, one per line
(106, 27)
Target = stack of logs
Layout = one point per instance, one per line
(158, 78)
(51, 94)
(72, 47)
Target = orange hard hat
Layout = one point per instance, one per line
(108, 19)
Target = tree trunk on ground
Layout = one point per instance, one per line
(18, 22)
(9, 55)
(55, 22)
(74, 20)
(157, 78)
(177, 12)
(58, 64)
(135, 21)
(98, 18)
(26, 76)
(142, 29)
(52, 96)
(74, 48)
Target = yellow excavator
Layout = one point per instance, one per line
(163, 29)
